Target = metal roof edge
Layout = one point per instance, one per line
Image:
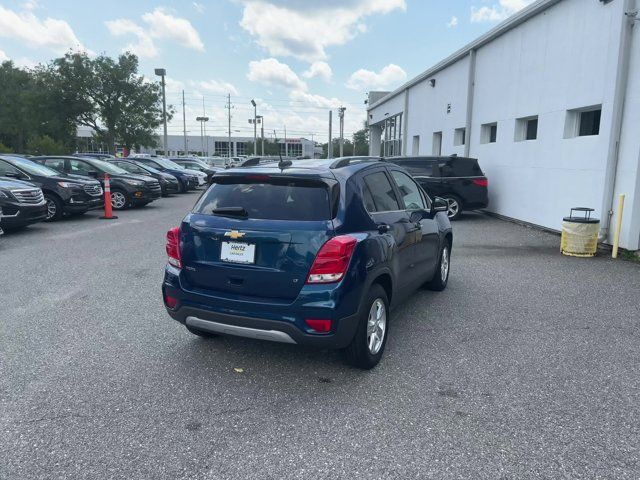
(507, 25)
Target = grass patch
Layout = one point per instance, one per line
(631, 256)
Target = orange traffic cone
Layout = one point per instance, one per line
(108, 215)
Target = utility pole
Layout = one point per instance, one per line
(161, 72)
(204, 113)
(341, 114)
(229, 115)
(286, 145)
(202, 121)
(330, 144)
(255, 127)
(260, 118)
(184, 124)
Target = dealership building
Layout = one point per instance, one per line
(548, 101)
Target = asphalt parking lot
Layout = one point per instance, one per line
(527, 366)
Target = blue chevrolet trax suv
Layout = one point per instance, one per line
(314, 253)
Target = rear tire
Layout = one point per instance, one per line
(454, 206)
(54, 208)
(201, 333)
(367, 346)
(441, 276)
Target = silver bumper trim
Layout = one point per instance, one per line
(215, 327)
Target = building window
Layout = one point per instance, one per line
(241, 148)
(583, 122)
(392, 136)
(459, 137)
(526, 129)
(222, 149)
(590, 123)
(437, 144)
(291, 150)
(489, 133)
(415, 149)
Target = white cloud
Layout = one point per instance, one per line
(272, 72)
(368, 80)
(53, 34)
(199, 7)
(305, 29)
(453, 22)
(314, 100)
(160, 25)
(217, 86)
(30, 5)
(498, 12)
(163, 25)
(3, 57)
(144, 47)
(319, 69)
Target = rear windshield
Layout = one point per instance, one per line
(461, 167)
(281, 199)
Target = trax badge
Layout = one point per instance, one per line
(234, 234)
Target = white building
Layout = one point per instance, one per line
(548, 101)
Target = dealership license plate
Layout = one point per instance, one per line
(200, 181)
(238, 252)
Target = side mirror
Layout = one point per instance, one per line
(439, 205)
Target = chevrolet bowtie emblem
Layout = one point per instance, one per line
(234, 234)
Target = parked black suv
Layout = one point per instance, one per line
(459, 180)
(127, 190)
(21, 204)
(168, 183)
(64, 194)
(197, 165)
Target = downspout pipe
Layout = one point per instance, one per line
(405, 122)
(622, 81)
(471, 87)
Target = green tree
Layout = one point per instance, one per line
(111, 97)
(45, 145)
(361, 141)
(16, 123)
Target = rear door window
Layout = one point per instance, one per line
(418, 168)
(409, 191)
(382, 193)
(274, 199)
(55, 163)
(461, 167)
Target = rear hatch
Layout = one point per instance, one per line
(257, 235)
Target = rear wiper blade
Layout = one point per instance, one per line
(230, 212)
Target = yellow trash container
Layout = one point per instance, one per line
(580, 233)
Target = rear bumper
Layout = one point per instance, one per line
(476, 205)
(261, 329)
(267, 319)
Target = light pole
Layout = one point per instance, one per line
(255, 127)
(341, 115)
(161, 72)
(260, 119)
(202, 121)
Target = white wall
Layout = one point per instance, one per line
(564, 58)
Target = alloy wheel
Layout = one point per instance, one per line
(444, 264)
(118, 200)
(376, 326)
(453, 207)
(52, 209)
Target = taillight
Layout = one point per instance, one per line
(320, 326)
(332, 260)
(173, 247)
(481, 182)
(170, 301)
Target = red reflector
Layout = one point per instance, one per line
(170, 301)
(481, 182)
(173, 247)
(320, 326)
(332, 260)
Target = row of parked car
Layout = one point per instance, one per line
(46, 188)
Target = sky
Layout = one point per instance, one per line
(298, 59)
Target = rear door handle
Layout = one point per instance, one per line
(383, 228)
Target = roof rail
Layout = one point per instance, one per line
(346, 161)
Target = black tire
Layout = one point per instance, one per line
(358, 353)
(441, 277)
(454, 204)
(54, 208)
(201, 333)
(116, 201)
